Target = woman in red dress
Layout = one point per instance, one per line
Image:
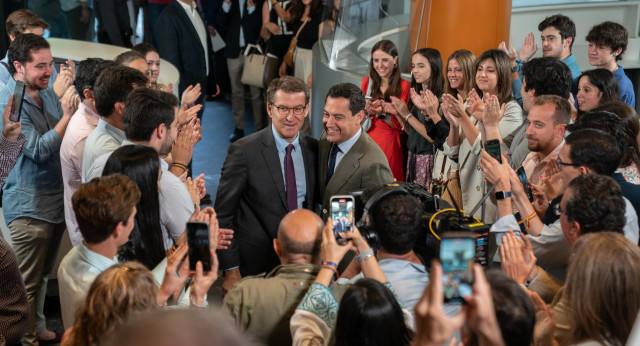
(383, 82)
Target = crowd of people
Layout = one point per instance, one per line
(103, 150)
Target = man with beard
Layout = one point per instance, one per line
(33, 193)
(150, 119)
(546, 125)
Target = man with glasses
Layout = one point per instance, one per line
(585, 151)
(265, 176)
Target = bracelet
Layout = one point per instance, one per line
(364, 256)
(180, 165)
(196, 305)
(332, 268)
(335, 265)
(528, 220)
(406, 117)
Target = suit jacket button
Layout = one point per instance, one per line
(478, 187)
(324, 211)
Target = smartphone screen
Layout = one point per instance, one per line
(18, 97)
(457, 255)
(342, 214)
(493, 148)
(198, 241)
(525, 183)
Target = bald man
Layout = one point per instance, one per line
(262, 305)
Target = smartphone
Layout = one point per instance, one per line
(198, 241)
(525, 183)
(493, 148)
(342, 215)
(18, 97)
(457, 254)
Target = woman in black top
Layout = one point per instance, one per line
(309, 14)
(427, 129)
(276, 29)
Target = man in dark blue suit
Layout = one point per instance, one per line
(265, 176)
(183, 40)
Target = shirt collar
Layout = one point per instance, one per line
(346, 145)
(554, 153)
(281, 143)
(189, 8)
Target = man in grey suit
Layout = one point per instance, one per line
(265, 176)
(349, 159)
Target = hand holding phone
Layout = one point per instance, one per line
(18, 98)
(457, 255)
(199, 245)
(10, 128)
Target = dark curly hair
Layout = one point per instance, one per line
(563, 24)
(610, 34)
(594, 149)
(596, 203)
(606, 122)
(547, 76)
(631, 154)
(397, 219)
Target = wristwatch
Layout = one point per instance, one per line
(502, 195)
(514, 68)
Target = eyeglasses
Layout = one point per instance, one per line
(297, 110)
(557, 210)
(560, 163)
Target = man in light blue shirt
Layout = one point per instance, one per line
(557, 33)
(110, 92)
(33, 192)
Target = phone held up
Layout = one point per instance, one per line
(342, 215)
(493, 148)
(198, 241)
(18, 98)
(457, 255)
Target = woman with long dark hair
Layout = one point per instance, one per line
(596, 87)
(492, 84)
(383, 82)
(426, 127)
(142, 165)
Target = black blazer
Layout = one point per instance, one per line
(179, 43)
(251, 199)
(231, 22)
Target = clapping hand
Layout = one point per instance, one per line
(518, 258)
(529, 48)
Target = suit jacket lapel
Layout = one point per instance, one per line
(348, 165)
(272, 160)
(185, 18)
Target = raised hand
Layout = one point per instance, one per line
(65, 78)
(191, 94)
(545, 322)
(69, 106)
(187, 114)
(454, 106)
(10, 129)
(418, 99)
(173, 280)
(433, 326)
(518, 259)
(399, 107)
(529, 48)
(511, 54)
(432, 103)
(475, 105)
(493, 112)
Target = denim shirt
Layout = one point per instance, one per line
(34, 186)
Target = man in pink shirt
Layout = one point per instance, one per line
(80, 127)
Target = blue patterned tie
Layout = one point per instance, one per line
(332, 162)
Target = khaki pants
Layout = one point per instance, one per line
(36, 244)
(237, 96)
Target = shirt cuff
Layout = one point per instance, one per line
(10, 145)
